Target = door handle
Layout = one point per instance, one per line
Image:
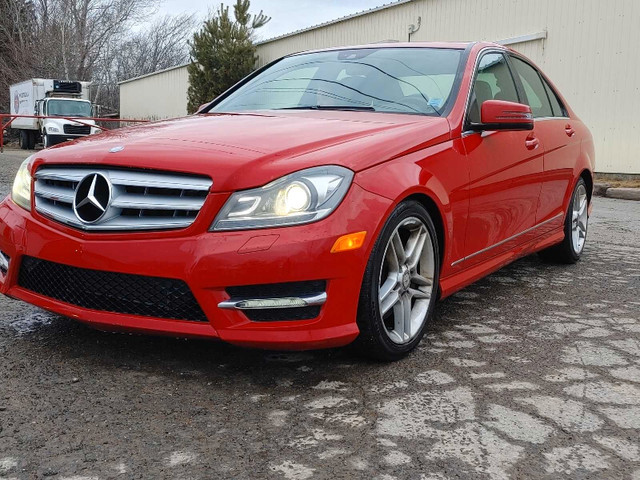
(532, 143)
(569, 131)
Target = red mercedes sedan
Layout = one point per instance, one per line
(330, 197)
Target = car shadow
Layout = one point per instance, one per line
(63, 340)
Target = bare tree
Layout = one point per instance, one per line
(160, 45)
(74, 34)
(17, 37)
(104, 41)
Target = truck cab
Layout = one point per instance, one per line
(57, 130)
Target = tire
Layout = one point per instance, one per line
(46, 141)
(386, 336)
(576, 225)
(31, 139)
(24, 143)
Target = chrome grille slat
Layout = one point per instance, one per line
(61, 175)
(156, 202)
(54, 192)
(156, 180)
(141, 200)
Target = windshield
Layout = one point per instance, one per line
(68, 108)
(398, 80)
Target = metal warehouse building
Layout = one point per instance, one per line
(587, 47)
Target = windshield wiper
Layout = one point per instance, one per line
(362, 108)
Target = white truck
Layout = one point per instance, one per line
(51, 98)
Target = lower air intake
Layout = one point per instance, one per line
(110, 291)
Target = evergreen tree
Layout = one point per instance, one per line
(222, 52)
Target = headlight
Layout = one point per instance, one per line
(53, 129)
(21, 192)
(302, 197)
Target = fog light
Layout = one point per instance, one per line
(4, 263)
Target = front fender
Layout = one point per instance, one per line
(58, 127)
(440, 173)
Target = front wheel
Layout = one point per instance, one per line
(400, 285)
(575, 229)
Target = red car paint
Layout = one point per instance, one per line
(494, 197)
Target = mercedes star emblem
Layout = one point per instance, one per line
(92, 198)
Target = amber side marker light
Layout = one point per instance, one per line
(351, 241)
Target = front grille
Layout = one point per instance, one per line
(139, 199)
(110, 291)
(77, 129)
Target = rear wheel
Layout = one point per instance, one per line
(575, 229)
(399, 289)
(23, 140)
(31, 139)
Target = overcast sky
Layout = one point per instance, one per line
(286, 15)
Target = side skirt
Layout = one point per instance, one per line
(458, 281)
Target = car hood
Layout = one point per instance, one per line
(250, 149)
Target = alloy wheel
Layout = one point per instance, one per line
(406, 280)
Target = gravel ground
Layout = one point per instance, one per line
(533, 372)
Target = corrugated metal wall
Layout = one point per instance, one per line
(159, 95)
(590, 53)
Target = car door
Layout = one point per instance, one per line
(505, 168)
(562, 144)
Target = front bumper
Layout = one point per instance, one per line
(209, 262)
(56, 138)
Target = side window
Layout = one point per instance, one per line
(493, 82)
(556, 106)
(534, 90)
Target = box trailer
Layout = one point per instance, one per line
(52, 99)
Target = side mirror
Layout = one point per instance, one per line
(202, 106)
(502, 115)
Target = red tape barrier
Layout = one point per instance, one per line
(79, 120)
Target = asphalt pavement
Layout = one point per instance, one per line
(532, 372)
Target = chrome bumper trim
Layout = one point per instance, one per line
(4, 263)
(269, 303)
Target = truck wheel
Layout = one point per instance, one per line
(23, 140)
(46, 141)
(31, 139)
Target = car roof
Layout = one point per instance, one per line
(392, 44)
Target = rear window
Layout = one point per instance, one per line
(534, 89)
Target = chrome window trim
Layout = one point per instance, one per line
(513, 237)
(551, 118)
(544, 79)
(481, 53)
